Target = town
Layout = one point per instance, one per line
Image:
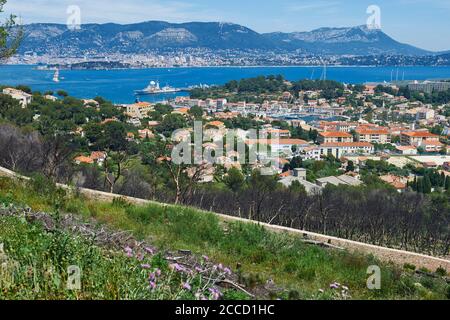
(375, 125)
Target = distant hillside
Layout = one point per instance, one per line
(343, 41)
(57, 39)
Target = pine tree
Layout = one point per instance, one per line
(442, 180)
(419, 187)
(414, 184)
(427, 186)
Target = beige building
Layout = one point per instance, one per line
(334, 137)
(139, 110)
(339, 149)
(417, 138)
(425, 114)
(24, 98)
(380, 136)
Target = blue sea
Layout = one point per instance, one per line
(119, 85)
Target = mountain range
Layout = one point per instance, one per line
(57, 39)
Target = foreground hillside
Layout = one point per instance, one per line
(165, 256)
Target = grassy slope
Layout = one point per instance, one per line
(263, 255)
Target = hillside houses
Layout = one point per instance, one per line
(138, 110)
(24, 98)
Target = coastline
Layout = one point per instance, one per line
(233, 67)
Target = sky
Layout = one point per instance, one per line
(423, 23)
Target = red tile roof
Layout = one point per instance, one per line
(372, 131)
(335, 134)
(347, 144)
(277, 141)
(420, 134)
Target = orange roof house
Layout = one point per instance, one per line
(217, 124)
(146, 133)
(399, 183)
(335, 134)
(83, 159)
(182, 111)
(420, 134)
(98, 155)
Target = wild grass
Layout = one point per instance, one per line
(257, 255)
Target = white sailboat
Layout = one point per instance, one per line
(56, 76)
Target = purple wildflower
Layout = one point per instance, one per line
(129, 252)
(187, 286)
(198, 269)
(335, 285)
(150, 251)
(206, 258)
(145, 266)
(152, 285)
(216, 294)
(177, 267)
(158, 272)
(227, 271)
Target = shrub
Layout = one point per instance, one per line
(441, 272)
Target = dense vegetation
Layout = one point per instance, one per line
(267, 87)
(304, 271)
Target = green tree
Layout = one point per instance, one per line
(171, 123)
(427, 186)
(163, 109)
(23, 88)
(296, 163)
(113, 141)
(350, 166)
(196, 112)
(234, 180)
(10, 35)
(297, 187)
(113, 136)
(62, 93)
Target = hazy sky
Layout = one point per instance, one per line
(423, 23)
